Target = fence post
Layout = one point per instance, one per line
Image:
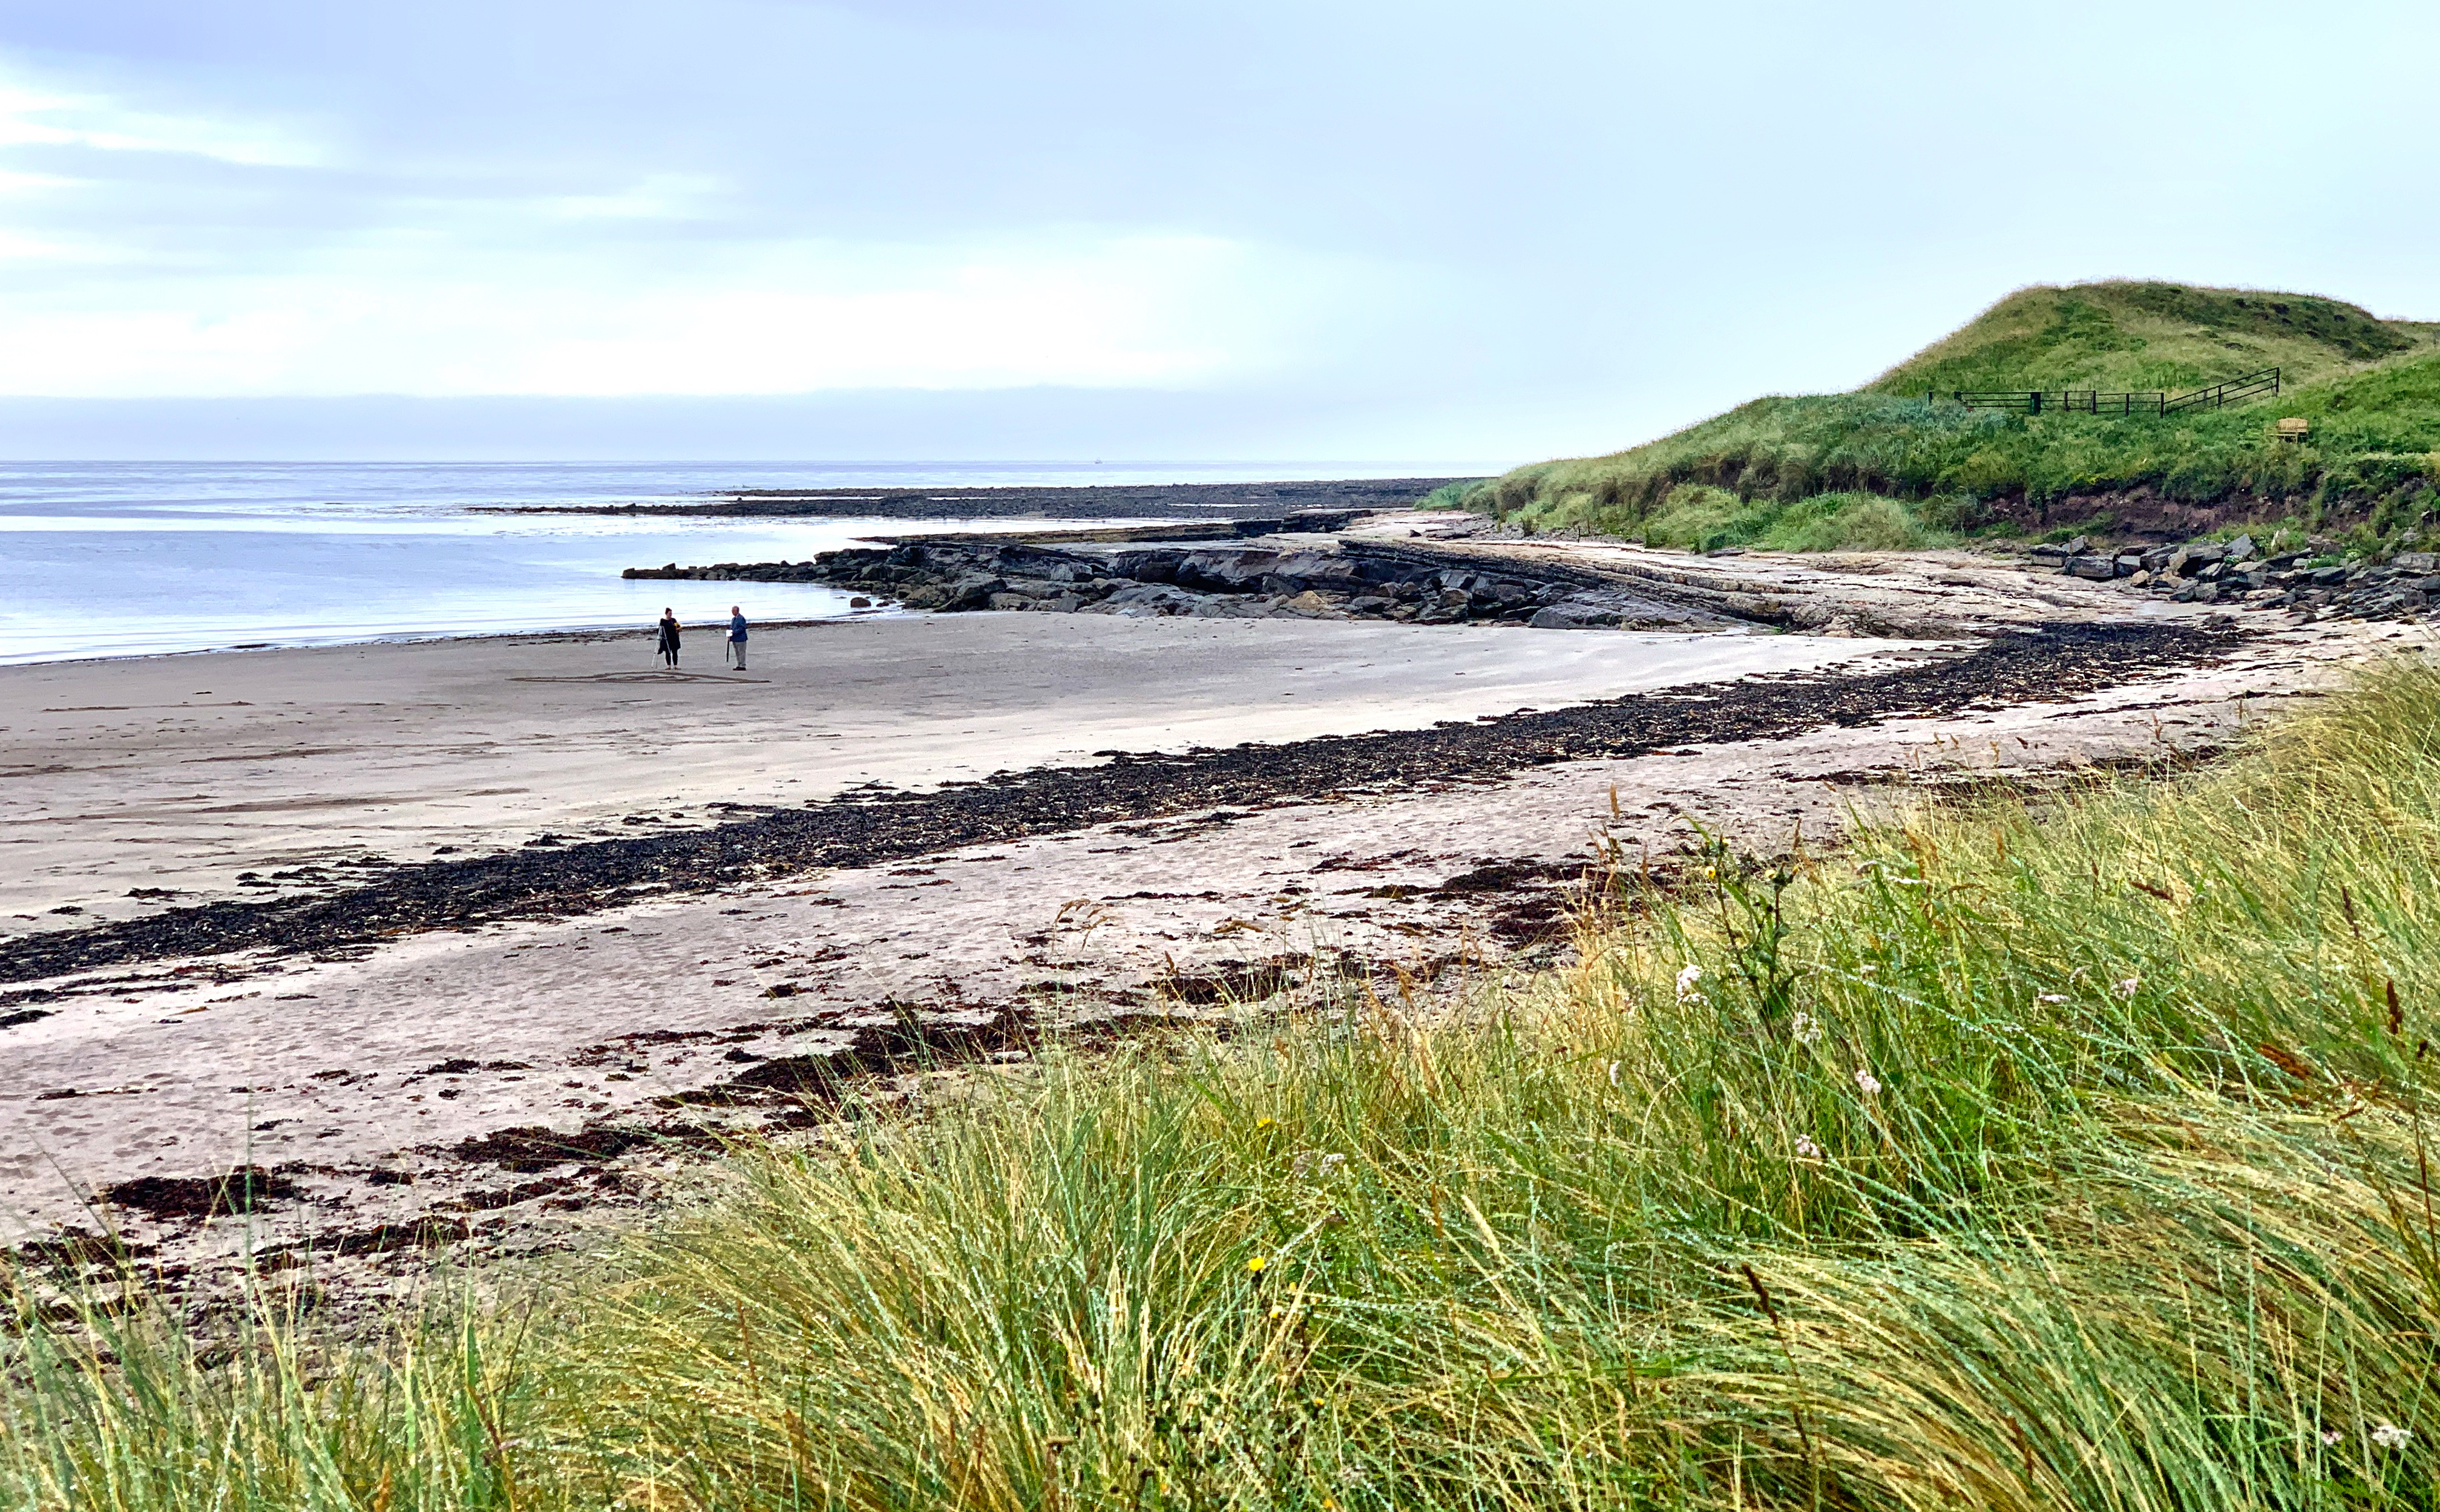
(2036, 407)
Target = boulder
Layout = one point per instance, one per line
(1317, 569)
(1148, 601)
(2099, 568)
(973, 591)
(1573, 615)
(1231, 570)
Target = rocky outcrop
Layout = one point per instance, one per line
(1303, 577)
(2315, 580)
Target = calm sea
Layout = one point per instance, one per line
(139, 559)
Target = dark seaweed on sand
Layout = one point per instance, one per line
(866, 829)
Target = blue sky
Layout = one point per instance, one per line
(936, 228)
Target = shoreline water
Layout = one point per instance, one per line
(100, 561)
(643, 633)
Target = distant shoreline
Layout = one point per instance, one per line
(1072, 502)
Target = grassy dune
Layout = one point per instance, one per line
(2009, 1160)
(1859, 463)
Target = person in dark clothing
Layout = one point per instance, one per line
(737, 637)
(669, 639)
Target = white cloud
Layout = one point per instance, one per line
(658, 197)
(17, 247)
(33, 116)
(792, 318)
(34, 183)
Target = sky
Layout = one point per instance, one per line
(1326, 229)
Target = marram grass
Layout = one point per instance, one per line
(2065, 1158)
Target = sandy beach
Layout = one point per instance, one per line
(519, 1079)
(183, 774)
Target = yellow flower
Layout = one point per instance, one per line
(1257, 1265)
(1261, 1124)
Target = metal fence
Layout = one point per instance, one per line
(2094, 402)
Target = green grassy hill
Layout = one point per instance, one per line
(1886, 466)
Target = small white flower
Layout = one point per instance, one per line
(2330, 1437)
(2389, 1435)
(2126, 989)
(1332, 1163)
(1866, 970)
(1806, 1150)
(1613, 1072)
(1806, 1028)
(1686, 980)
(2053, 997)
(1870, 1083)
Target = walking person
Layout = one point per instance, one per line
(669, 639)
(737, 637)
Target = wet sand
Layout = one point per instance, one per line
(181, 774)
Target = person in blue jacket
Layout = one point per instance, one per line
(737, 637)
